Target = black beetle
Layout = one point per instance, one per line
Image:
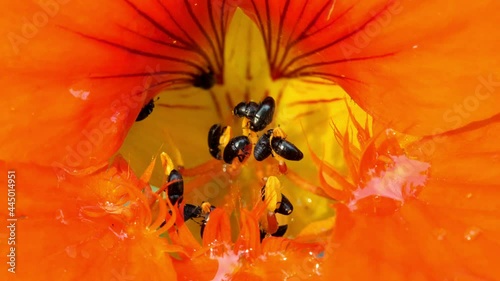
(146, 111)
(205, 220)
(262, 149)
(214, 135)
(286, 207)
(260, 115)
(191, 211)
(263, 116)
(175, 189)
(233, 148)
(286, 149)
(281, 231)
(247, 110)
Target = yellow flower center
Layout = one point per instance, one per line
(305, 110)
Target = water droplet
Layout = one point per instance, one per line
(390, 132)
(440, 234)
(472, 233)
(468, 196)
(80, 94)
(71, 251)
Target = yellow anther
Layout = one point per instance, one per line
(206, 207)
(167, 163)
(272, 193)
(245, 126)
(278, 132)
(225, 137)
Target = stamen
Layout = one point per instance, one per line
(162, 214)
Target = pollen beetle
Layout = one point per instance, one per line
(146, 111)
(281, 231)
(259, 115)
(286, 149)
(175, 189)
(247, 110)
(204, 80)
(268, 143)
(214, 135)
(191, 211)
(207, 216)
(233, 148)
(285, 206)
(203, 211)
(262, 149)
(263, 116)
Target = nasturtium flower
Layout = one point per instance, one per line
(392, 103)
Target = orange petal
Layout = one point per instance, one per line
(450, 231)
(418, 76)
(249, 236)
(81, 226)
(474, 151)
(75, 78)
(217, 229)
(201, 268)
(410, 245)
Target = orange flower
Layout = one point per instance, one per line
(418, 206)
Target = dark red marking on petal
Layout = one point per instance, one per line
(192, 43)
(217, 105)
(300, 70)
(329, 76)
(141, 74)
(336, 41)
(229, 100)
(203, 31)
(280, 30)
(305, 113)
(314, 101)
(302, 36)
(158, 41)
(136, 51)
